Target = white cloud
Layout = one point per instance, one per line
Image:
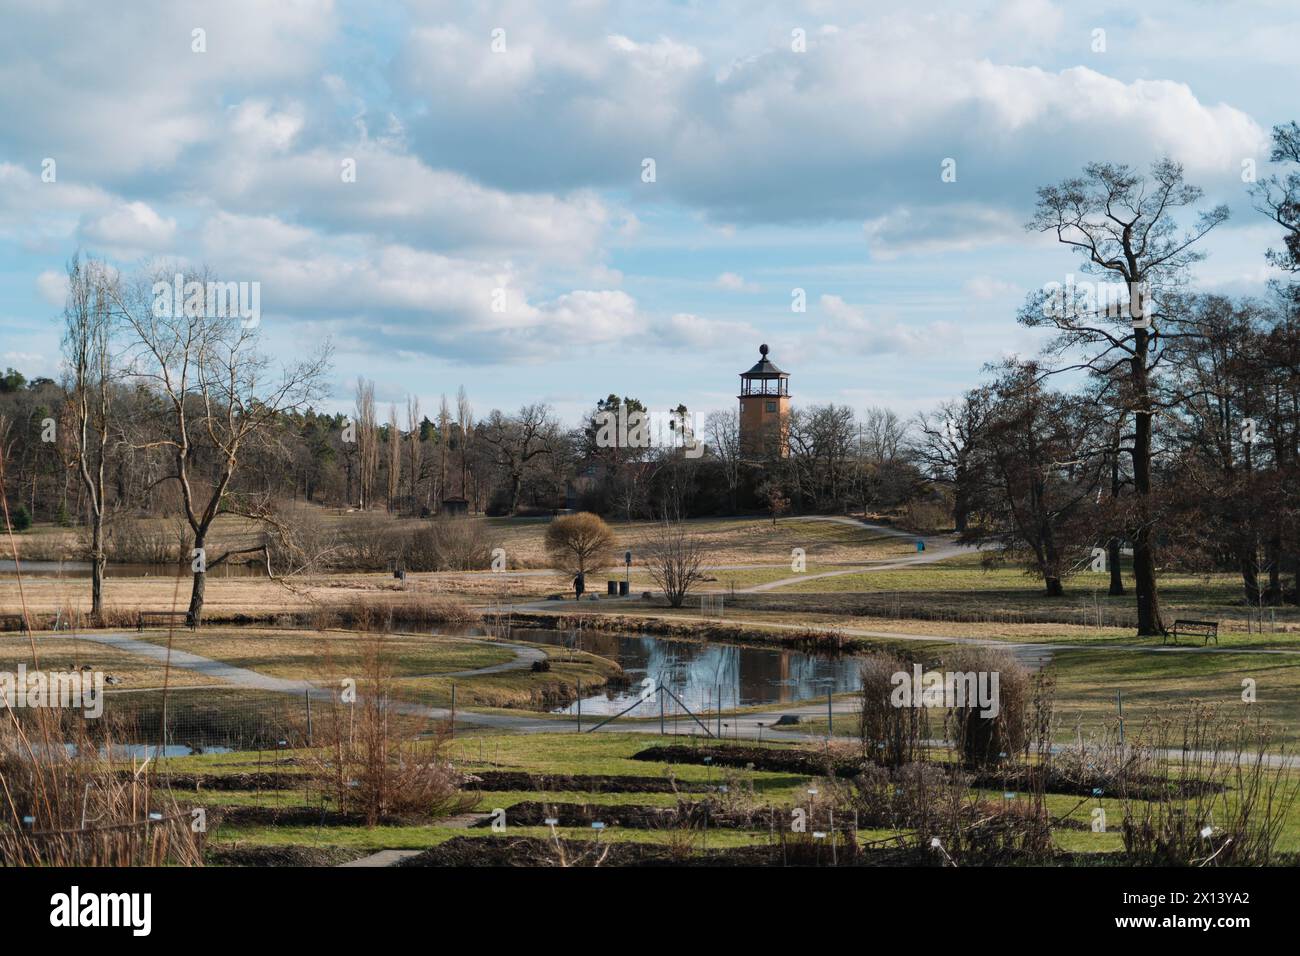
(130, 228)
(733, 282)
(685, 329)
(53, 287)
(875, 331)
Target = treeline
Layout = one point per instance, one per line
(1158, 423)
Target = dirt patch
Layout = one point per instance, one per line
(503, 780)
(810, 763)
(807, 763)
(245, 816)
(536, 851)
(239, 854)
(684, 816)
(259, 780)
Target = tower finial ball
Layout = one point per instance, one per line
(762, 349)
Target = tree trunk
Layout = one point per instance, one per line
(1054, 587)
(960, 508)
(1249, 566)
(1144, 561)
(1113, 557)
(97, 562)
(1273, 551)
(194, 616)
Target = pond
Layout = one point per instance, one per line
(698, 673)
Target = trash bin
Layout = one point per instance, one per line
(920, 546)
(622, 589)
(611, 588)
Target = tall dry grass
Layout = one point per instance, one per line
(70, 799)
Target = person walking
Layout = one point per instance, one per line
(579, 585)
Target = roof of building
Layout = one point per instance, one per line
(764, 366)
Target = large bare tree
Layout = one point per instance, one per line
(1122, 225)
(516, 440)
(220, 395)
(88, 320)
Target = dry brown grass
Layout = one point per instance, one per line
(79, 805)
(68, 653)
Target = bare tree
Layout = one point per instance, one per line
(517, 441)
(415, 450)
(465, 422)
(579, 543)
(394, 458)
(723, 429)
(444, 436)
(1121, 224)
(367, 442)
(1279, 198)
(219, 395)
(945, 444)
(675, 559)
(87, 337)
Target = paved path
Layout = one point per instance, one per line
(384, 857)
(254, 680)
(937, 548)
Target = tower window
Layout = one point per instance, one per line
(771, 406)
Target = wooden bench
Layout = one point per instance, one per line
(161, 617)
(1205, 629)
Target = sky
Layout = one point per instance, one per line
(502, 230)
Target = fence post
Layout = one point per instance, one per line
(453, 710)
(307, 696)
(661, 711)
(579, 706)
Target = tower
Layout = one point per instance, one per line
(764, 409)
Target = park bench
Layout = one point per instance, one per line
(160, 617)
(1205, 629)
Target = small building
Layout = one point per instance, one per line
(454, 508)
(764, 409)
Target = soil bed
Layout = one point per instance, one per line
(811, 763)
(639, 817)
(238, 854)
(504, 780)
(537, 851)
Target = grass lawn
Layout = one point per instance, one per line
(312, 655)
(605, 754)
(65, 653)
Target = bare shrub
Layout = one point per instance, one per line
(449, 544)
(302, 540)
(675, 559)
(1220, 801)
(134, 540)
(579, 543)
(988, 741)
(368, 542)
(381, 758)
(890, 735)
